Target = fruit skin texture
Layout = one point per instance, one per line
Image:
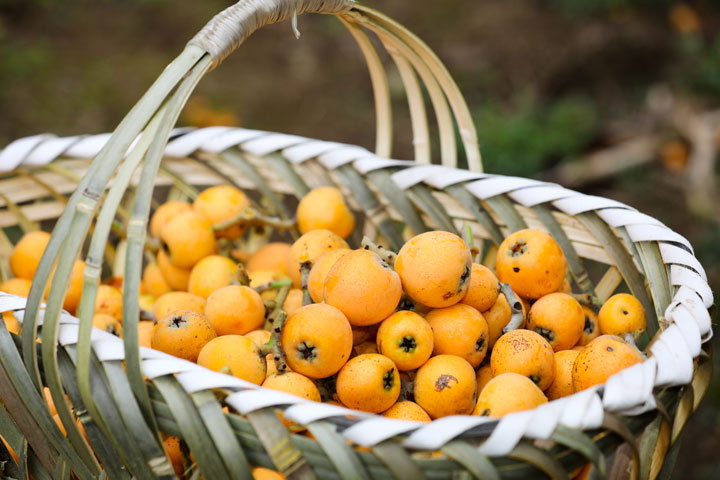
(261, 277)
(602, 358)
(26, 255)
(109, 300)
(262, 473)
(325, 208)
(211, 273)
(293, 301)
(508, 393)
(445, 385)
(145, 330)
(527, 353)
(590, 330)
(154, 281)
(74, 291)
(108, 323)
(17, 286)
(309, 247)
(406, 410)
(260, 338)
(235, 310)
(363, 287)
(483, 376)
(293, 383)
(621, 314)
(435, 268)
(370, 383)
(172, 301)
(405, 338)
(459, 330)
(189, 238)
(532, 263)
(559, 318)
(562, 385)
(222, 202)
(319, 271)
(183, 334)
(172, 449)
(164, 213)
(317, 340)
(238, 353)
(483, 290)
(272, 256)
(178, 278)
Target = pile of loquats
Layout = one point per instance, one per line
(415, 335)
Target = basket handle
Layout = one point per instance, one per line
(228, 29)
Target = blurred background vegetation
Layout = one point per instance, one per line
(619, 98)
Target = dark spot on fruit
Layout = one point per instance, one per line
(480, 344)
(464, 278)
(516, 269)
(484, 412)
(447, 295)
(624, 312)
(389, 379)
(535, 379)
(610, 349)
(443, 382)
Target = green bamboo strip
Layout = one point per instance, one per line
(222, 435)
(24, 222)
(89, 186)
(397, 461)
(93, 262)
(375, 211)
(657, 276)
(25, 459)
(466, 126)
(35, 468)
(540, 459)
(192, 428)
(608, 283)
(113, 425)
(381, 91)
(648, 444)
(602, 232)
(341, 454)
(631, 246)
(459, 193)
(579, 441)
(574, 261)
(416, 104)
(62, 470)
(6, 248)
(28, 408)
(101, 446)
(57, 167)
(287, 173)
(137, 232)
(383, 182)
(479, 465)
(35, 179)
(9, 430)
(276, 441)
(178, 182)
(421, 196)
(145, 437)
(617, 426)
(504, 208)
(668, 467)
(235, 158)
(445, 124)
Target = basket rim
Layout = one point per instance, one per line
(673, 346)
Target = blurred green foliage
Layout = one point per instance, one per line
(529, 135)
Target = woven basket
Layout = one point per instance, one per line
(127, 397)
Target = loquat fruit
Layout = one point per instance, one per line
(319, 272)
(406, 410)
(325, 208)
(237, 353)
(25, 257)
(164, 214)
(182, 333)
(602, 358)
(527, 353)
(559, 318)
(308, 248)
(272, 256)
(405, 338)
(445, 385)
(508, 393)
(622, 314)
(562, 385)
(369, 382)
(211, 273)
(459, 330)
(222, 202)
(235, 309)
(172, 301)
(483, 289)
(189, 238)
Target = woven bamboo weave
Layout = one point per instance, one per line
(125, 396)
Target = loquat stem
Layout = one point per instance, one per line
(305, 268)
(587, 299)
(388, 256)
(272, 285)
(516, 318)
(278, 354)
(241, 276)
(253, 218)
(467, 236)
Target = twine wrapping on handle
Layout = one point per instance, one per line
(229, 29)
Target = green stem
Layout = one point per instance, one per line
(387, 256)
(253, 218)
(305, 268)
